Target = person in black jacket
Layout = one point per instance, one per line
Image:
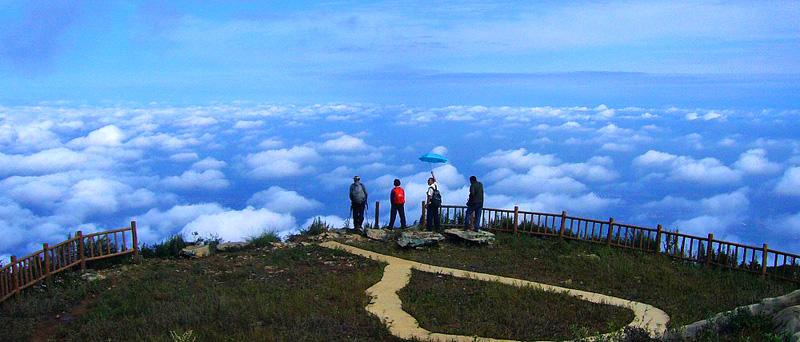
(474, 204)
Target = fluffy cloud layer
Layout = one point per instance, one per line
(238, 225)
(235, 169)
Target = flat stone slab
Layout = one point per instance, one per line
(380, 234)
(418, 239)
(196, 251)
(481, 237)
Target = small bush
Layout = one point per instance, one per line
(318, 226)
(169, 248)
(264, 239)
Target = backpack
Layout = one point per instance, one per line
(436, 197)
(398, 196)
(357, 194)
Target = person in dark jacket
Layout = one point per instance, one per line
(398, 199)
(358, 201)
(474, 204)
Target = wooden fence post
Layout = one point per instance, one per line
(79, 236)
(46, 251)
(658, 238)
(422, 219)
(764, 253)
(563, 224)
(709, 250)
(610, 231)
(516, 219)
(135, 239)
(14, 275)
(377, 214)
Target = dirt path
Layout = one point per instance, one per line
(386, 304)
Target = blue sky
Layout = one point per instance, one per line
(231, 117)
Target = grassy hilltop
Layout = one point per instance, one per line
(311, 293)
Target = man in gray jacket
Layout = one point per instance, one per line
(474, 204)
(358, 201)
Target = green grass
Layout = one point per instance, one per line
(20, 316)
(687, 292)
(472, 307)
(294, 294)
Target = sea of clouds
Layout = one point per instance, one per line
(237, 169)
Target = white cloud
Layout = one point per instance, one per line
(188, 180)
(539, 179)
(516, 159)
(238, 225)
(270, 143)
(209, 164)
(755, 161)
(344, 143)
(184, 157)
(155, 224)
(440, 150)
(280, 200)
(246, 124)
(789, 184)
(197, 121)
(718, 214)
(47, 161)
(704, 171)
(106, 136)
(282, 162)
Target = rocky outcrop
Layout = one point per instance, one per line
(479, 237)
(787, 322)
(380, 234)
(767, 306)
(415, 239)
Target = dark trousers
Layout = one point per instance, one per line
(432, 218)
(358, 214)
(474, 210)
(398, 208)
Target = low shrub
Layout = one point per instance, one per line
(169, 248)
(318, 226)
(264, 239)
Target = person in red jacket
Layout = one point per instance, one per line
(398, 200)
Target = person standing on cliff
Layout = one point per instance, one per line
(474, 204)
(398, 199)
(358, 202)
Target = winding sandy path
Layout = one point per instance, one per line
(386, 304)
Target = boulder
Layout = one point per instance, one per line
(380, 234)
(479, 237)
(418, 239)
(196, 251)
(231, 246)
(787, 321)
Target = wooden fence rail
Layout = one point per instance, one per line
(24, 272)
(699, 249)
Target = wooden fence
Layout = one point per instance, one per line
(699, 249)
(24, 272)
